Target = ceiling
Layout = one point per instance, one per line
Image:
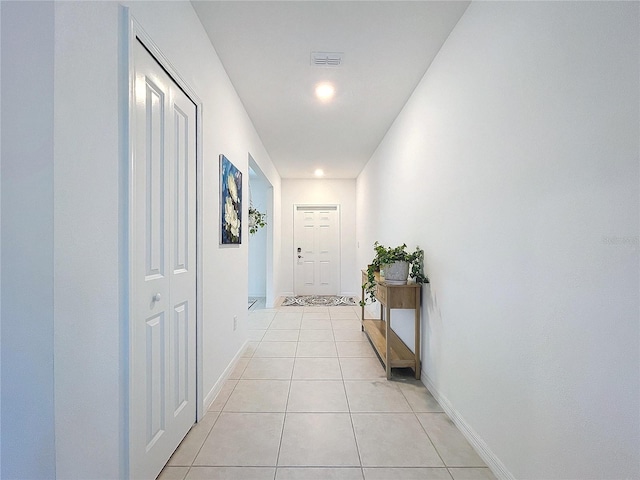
(265, 47)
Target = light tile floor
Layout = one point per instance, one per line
(309, 401)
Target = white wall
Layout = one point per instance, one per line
(89, 323)
(27, 415)
(517, 157)
(319, 192)
(63, 237)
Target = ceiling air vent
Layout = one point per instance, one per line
(326, 59)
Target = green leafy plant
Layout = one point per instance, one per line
(387, 255)
(257, 220)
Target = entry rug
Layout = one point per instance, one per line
(319, 301)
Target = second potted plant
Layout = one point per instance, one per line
(257, 219)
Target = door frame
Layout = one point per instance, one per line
(269, 231)
(318, 206)
(132, 33)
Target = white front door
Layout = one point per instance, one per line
(163, 268)
(317, 249)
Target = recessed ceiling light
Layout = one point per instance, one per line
(319, 172)
(325, 91)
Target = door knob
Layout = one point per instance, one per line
(157, 297)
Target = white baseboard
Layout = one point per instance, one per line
(215, 390)
(350, 294)
(491, 459)
(344, 294)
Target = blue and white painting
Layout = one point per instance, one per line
(230, 202)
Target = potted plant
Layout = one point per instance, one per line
(257, 220)
(390, 260)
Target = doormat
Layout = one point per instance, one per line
(319, 301)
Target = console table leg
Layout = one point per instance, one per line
(387, 331)
(362, 310)
(417, 334)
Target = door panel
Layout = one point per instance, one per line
(308, 277)
(155, 375)
(154, 169)
(308, 232)
(325, 273)
(163, 275)
(324, 239)
(181, 200)
(317, 250)
(181, 358)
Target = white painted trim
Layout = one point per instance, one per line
(328, 206)
(269, 282)
(132, 31)
(291, 294)
(129, 168)
(350, 294)
(126, 196)
(215, 390)
(200, 410)
(491, 459)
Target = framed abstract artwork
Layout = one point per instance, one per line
(230, 203)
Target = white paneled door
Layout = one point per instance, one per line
(163, 268)
(317, 249)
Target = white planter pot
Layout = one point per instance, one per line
(396, 273)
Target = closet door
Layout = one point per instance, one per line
(163, 268)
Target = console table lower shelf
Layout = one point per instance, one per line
(401, 355)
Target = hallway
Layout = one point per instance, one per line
(309, 400)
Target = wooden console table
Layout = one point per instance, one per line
(379, 331)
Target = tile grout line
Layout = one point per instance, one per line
(286, 407)
(205, 440)
(431, 441)
(353, 428)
